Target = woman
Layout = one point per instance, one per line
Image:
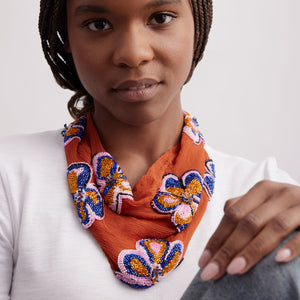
(127, 62)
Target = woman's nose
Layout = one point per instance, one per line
(133, 47)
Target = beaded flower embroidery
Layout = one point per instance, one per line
(87, 199)
(209, 177)
(179, 197)
(192, 130)
(113, 184)
(74, 131)
(152, 260)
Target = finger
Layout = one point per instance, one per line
(235, 210)
(215, 242)
(241, 236)
(258, 194)
(266, 241)
(253, 222)
(290, 250)
(244, 233)
(224, 229)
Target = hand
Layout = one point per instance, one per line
(252, 226)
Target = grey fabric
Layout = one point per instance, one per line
(268, 280)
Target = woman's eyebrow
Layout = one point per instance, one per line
(157, 3)
(101, 9)
(90, 8)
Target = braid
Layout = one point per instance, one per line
(203, 13)
(53, 32)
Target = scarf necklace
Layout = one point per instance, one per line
(144, 232)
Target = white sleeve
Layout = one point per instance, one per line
(272, 172)
(6, 244)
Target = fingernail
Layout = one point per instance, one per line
(204, 258)
(237, 265)
(210, 271)
(283, 254)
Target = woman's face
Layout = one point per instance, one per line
(132, 56)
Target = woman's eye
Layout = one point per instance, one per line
(161, 19)
(98, 25)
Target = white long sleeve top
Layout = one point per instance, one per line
(46, 254)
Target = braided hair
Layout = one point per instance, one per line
(53, 32)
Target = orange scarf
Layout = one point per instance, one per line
(143, 232)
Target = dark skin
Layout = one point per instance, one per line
(252, 226)
(139, 159)
(142, 48)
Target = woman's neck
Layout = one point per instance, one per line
(137, 147)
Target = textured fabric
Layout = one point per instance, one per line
(45, 254)
(268, 280)
(143, 232)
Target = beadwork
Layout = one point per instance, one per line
(152, 260)
(75, 130)
(87, 199)
(112, 183)
(169, 203)
(209, 177)
(179, 197)
(191, 129)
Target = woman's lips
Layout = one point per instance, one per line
(137, 90)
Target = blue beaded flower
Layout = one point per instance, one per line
(191, 129)
(152, 260)
(112, 183)
(209, 177)
(86, 196)
(179, 197)
(75, 130)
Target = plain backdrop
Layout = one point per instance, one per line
(245, 92)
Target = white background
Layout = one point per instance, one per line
(245, 92)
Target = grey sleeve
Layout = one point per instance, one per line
(267, 280)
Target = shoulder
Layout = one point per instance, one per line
(29, 158)
(33, 142)
(30, 147)
(32, 168)
(241, 174)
